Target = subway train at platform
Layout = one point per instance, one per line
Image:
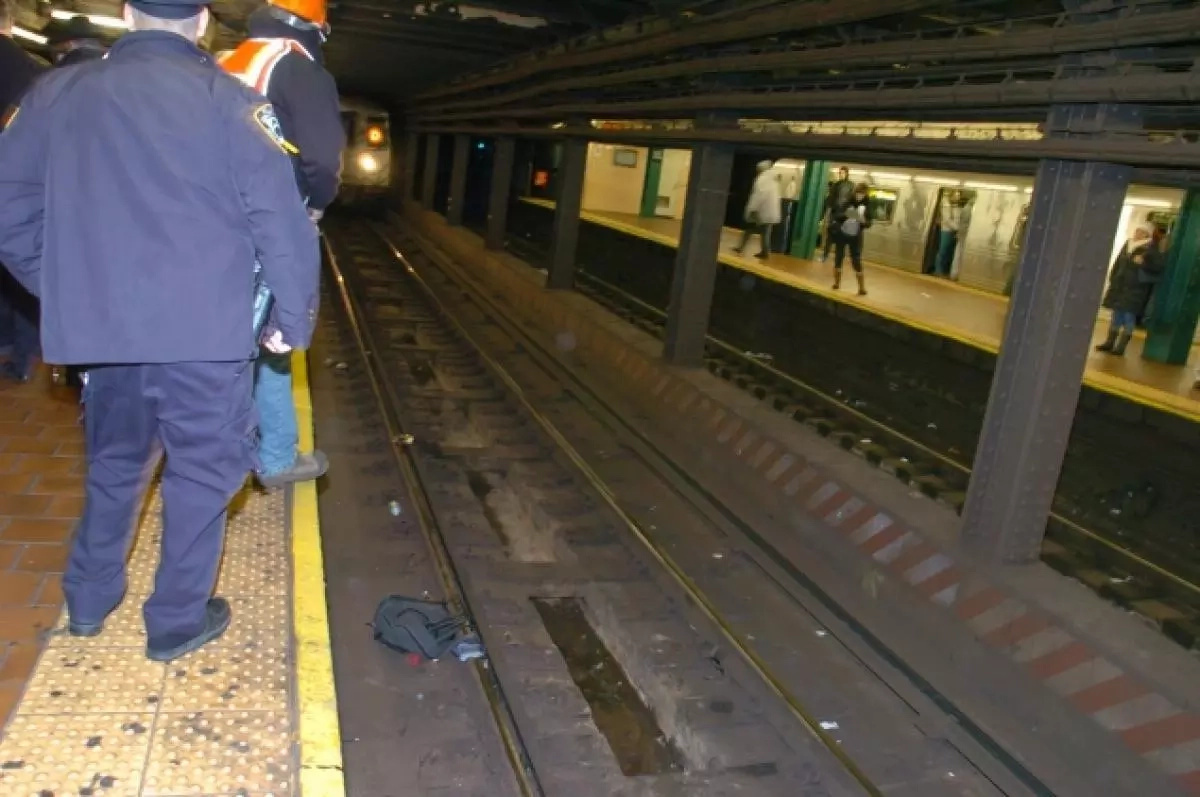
(990, 212)
(367, 158)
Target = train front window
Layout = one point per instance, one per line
(348, 124)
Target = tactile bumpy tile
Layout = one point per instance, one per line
(225, 752)
(105, 757)
(98, 718)
(232, 679)
(91, 681)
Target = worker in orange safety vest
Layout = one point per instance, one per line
(282, 60)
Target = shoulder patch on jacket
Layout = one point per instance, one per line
(264, 116)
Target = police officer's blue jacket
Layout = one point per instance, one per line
(305, 97)
(136, 193)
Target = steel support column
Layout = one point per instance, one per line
(565, 237)
(429, 176)
(1075, 207)
(695, 274)
(412, 146)
(1176, 305)
(502, 177)
(458, 180)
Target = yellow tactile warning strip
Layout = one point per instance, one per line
(1147, 395)
(320, 737)
(252, 714)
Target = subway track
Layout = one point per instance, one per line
(574, 551)
(1140, 570)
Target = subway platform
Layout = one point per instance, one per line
(251, 714)
(937, 306)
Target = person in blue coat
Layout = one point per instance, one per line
(282, 60)
(136, 194)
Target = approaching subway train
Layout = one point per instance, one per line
(367, 159)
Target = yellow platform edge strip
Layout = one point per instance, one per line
(320, 734)
(1172, 404)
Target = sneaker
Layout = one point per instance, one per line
(306, 468)
(168, 648)
(82, 628)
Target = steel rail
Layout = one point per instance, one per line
(1168, 27)
(452, 584)
(657, 551)
(795, 17)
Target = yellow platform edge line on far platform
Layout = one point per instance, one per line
(320, 734)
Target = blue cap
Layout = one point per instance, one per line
(169, 9)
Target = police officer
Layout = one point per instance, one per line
(73, 41)
(282, 60)
(135, 194)
(18, 310)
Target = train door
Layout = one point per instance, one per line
(947, 232)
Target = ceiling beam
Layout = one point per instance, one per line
(792, 17)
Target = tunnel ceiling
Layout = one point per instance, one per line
(392, 49)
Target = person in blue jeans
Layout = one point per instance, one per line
(279, 461)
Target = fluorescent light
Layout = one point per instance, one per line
(28, 35)
(991, 186)
(937, 181)
(891, 176)
(1150, 203)
(102, 20)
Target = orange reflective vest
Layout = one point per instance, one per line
(254, 60)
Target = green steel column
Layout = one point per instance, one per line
(650, 186)
(1176, 305)
(810, 208)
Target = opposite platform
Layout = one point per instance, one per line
(937, 306)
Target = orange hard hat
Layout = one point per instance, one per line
(313, 11)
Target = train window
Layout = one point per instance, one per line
(348, 124)
(881, 205)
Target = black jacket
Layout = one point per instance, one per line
(84, 51)
(17, 71)
(305, 97)
(1129, 284)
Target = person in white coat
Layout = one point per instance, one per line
(763, 210)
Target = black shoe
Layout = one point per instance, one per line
(216, 619)
(81, 628)
(763, 255)
(9, 370)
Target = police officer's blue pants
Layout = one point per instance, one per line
(18, 321)
(201, 416)
(277, 431)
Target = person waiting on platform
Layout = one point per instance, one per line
(1133, 275)
(950, 216)
(839, 195)
(135, 193)
(852, 220)
(763, 210)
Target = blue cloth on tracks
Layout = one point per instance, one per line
(201, 416)
(136, 192)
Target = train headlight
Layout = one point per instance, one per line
(368, 163)
(375, 135)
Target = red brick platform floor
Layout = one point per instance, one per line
(41, 497)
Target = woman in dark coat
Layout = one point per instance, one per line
(1133, 275)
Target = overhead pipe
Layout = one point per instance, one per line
(795, 16)
(1138, 31)
(1010, 156)
(1138, 87)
